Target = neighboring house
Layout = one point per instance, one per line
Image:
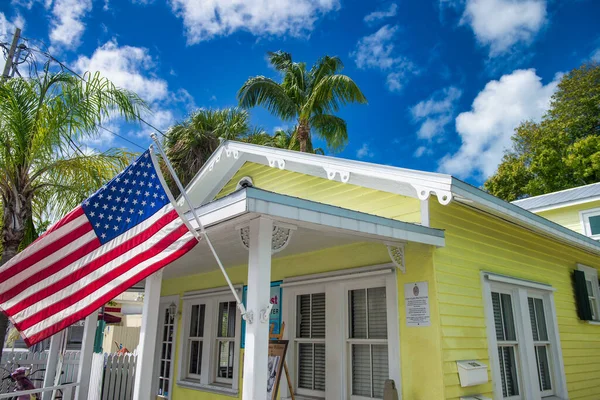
(378, 273)
(577, 209)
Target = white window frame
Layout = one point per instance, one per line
(165, 303)
(591, 275)
(584, 217)
(207, 380)
(527, 366)
(336, 285)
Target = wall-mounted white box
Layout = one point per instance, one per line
(472, 373)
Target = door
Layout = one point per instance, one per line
(165, 351)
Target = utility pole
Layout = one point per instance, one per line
(11, 55)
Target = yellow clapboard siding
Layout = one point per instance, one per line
(478, 242)
(322, 190)
(569, 216)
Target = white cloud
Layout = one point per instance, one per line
(596, 55)
(498, 109)
(379, 15)
(501, 24)
(376, 51)
(436, 112)
(127, 67)
(66, 25)
(421, 151)
(7, 28)
(364, 152)
(162, 120)
(206, 19)
(104, 138)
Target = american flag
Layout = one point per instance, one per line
(123, 233)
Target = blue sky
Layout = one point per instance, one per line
(447, 80)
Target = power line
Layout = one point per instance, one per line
(122, 137)
(64, 66)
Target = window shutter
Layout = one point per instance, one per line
(581, 296)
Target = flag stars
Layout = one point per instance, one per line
(131, 210)
(110, 217)
(106, 226)
(101, 216)
(147, 194)
(141, 212)
(119, 219)
(109, 198)
(113, 188)
(105, 206)
(138, 192)
(92, 214)
(116, 228)
(155, 195)
(103, 236)
(134, 201)
(128, 220)
(100, 196)
(144, 203)
(122, 209)
(153, 204)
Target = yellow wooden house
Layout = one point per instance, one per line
(379, 274)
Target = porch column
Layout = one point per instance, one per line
(257, 299)
(56, 342)
(85, 358)
(142, 389)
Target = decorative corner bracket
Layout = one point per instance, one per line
(396, 252)
(423, 193)
(229, 152)
(331, 173)
(280, 162)
(280, 238)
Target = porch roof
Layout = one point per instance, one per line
(315, 226)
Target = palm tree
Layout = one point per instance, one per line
(189, 144)
(42, 170)
(288, 139)
(308, 97)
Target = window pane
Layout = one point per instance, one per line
(503, 316)
(377, 313)
(319, 370)
(541, 356)
(305, 366)
(380, 368)
(303, 316)
(498, 316)
(195, 357)
(358, 314)
(533, 318)
(361, 370)
(318, 315)
(225, 361)
(227, 313)
(541, 319)
(595, 224)
(508, 371)
(197, 321)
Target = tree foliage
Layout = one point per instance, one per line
(562, 150)
(308, 97)
(43, 173)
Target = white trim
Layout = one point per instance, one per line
(520, 290)
(210, 298)
(336, 286)
(518, 282)
(220, 291)
(584, 219)
(591, 274)
(164, 304)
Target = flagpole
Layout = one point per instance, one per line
(246, 315)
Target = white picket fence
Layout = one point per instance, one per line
(11, 360)
(112, 376)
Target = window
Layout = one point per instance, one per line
(526, 358)
(593, 291)
(506, 336)
(340, 335)
(310, 343)
(590, 219)
(209, 356)
(368, 341)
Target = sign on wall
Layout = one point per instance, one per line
(416, 297)
(275, 318)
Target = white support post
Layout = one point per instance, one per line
(142, 389)
(257, 332)
(56, 342)
(85, 360)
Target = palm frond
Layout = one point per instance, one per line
(332, 129)
(263, 91)
(332, 92)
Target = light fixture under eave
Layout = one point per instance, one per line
(172, 309)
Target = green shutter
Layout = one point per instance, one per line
(581, 296)
(99, 337)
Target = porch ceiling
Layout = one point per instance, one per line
(316, 226)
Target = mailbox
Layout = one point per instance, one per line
(472, 373)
